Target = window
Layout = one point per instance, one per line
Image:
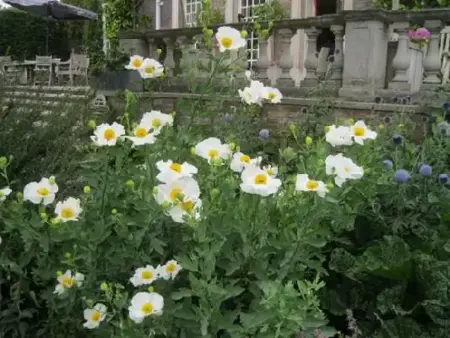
(192, 8)
(246, 9)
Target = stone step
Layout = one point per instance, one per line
(47, 96)
(52, 89)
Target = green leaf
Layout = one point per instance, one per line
(182, 293)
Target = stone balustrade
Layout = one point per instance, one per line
(358, 66)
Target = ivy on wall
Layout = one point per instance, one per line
(23, 36)
(413, 4)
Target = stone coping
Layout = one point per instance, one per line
(292, 101)
(414, 17)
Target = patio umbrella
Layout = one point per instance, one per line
(52, 9)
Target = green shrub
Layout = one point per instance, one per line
(358, 245)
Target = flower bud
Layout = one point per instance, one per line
(134, 125)
(293, 128)
(209, 32)
(401, 125)
(87, 189)
(350, 121)
(68, 255)
(320, 162)
(215, 192)
(288, 153)
(19, 196)
(90, 302)
(165, 205)
(2, 194)
(217, 162)
(326, 129)
(193, 152)
(126, 115)
(3, 162)
(238, 149)
(114, 211)
(54, 222)
(174, 113)
(330, 185)
(381, 126)
(308, 140)
(151, 289)
(92, 124)
(244, 34)
(104, 287)
(44, 216)
(366, 170)
(257, 26)
(159, 51)
(232, 146)
(59, 273)
(155, 190)
(265, 33)
(51, 180)
(130, 184)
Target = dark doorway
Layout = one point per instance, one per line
(326, 37)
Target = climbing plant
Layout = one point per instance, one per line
(413, 4)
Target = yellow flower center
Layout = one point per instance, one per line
(312, 185)
(146, 274)
(149, 70)
(137, 63)
(96, 316)
(43, 191)
(272, 96)
(188, 206)
(156, 123)
(67, 212)
(359, 131)
(213, 153)
(227, 42)
(245, 158)
(141, 132)
(67, 282)
(176, 167)
(347, 169)
(175, 193)
(109, 134)
(171, 267)
(147, 308)
(261, 179)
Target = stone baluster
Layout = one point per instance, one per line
(153, 47)
(169, 61)
(402, 58)
(285, 63)
(338, 58)
(311, 61)
(432, 62)
(262, 64)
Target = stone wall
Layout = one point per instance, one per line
(362, 4)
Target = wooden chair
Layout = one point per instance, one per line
(10, 72)
(77, 65)
(43, 70)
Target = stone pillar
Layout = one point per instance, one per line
(285, 62)
(262, 64)
(366, 42)
(169, 61)
(134, 47)
(338, 58)
(402, 58)
(432, 62)
(310, 79)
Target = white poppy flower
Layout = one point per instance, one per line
(144, 304)
(155, 120)
(170, 171)
(188, 208)
(343, 168)
(68, 281)
(241, 161)
(40, 192)
(181, 190)
(303, 183)
(258, 181)
(248, 74)
(272, 94)
(229, 39)
(69, 210)
(107, 135)
(253, 94)
(52, 182)
(141, 136)
(151, 68)
(4, 193)
(144, 276)
(340, 136)
(169, 270)
(94, 316)
(212, 149)
(136, 62)
(360, 132)
(271, 170)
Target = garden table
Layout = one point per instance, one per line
(26, 69)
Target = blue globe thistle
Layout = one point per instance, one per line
(444, 128)
(388, 164)
(426, 170)
(264, 134)
(443, 178)
(446, 106)
(397, 139)
(228, 117)
(401, 176)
